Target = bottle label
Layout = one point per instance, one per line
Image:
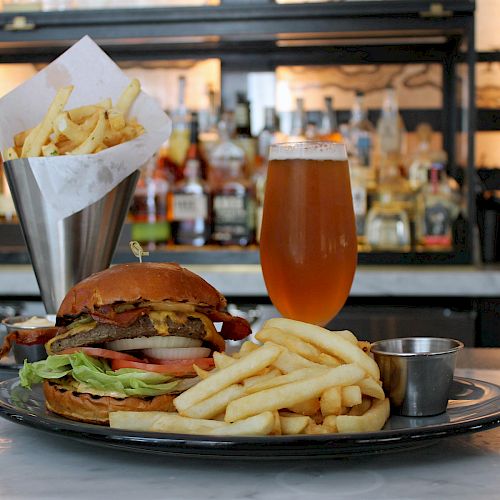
(359, 200)
(232, 215)
(189, 206)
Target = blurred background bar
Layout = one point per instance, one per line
(412, 87)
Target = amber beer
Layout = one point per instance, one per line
(308, 242)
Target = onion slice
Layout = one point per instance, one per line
(152, 342)
(178, 353)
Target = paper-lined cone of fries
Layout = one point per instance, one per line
(73, 138)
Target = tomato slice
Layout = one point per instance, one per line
(97, 352)
(175, 367)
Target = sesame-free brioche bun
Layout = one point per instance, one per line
(95, 409)
(140, 282)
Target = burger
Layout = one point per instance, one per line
(131, 338)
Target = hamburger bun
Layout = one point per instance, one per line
(95, 409)
(140, 282)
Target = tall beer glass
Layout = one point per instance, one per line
(308, 246)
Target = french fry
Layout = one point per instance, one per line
(215, 404)
(293, 376)
(331, 401)
(362, 408)
(329, 360)
(203, 374)
(373, 420)
(295, 424)
(365, 345)
(78, 115)
(351, 396)
(260, 379)
(277, 424)
(10, 154)
(128, 96)
(292, 343)
(159, 421)
(247, 347)
(347, 335)
(328, 342)
(309, 407)
(371, 388)
(314, 429)
(238, 371)
(116, 119)
(290, 394)
(222, 360)
(38, 136)
(94, 138)
(20, 137)
(50, 149)
(63, 125)
(258, 425)
(331, 423)
(289, 361)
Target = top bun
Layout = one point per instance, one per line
(137, 282)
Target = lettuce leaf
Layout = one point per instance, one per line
(97, 375)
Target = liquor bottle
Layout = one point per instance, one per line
(268, 135)
(329, 130)
(360, 134)
(299, 122)
(188, 207)
(179, 139)
(224, 155)
(233, 210)
(359, 196)
(390, 131)
(243, 135)
(441, 208)
(232, 195)
(194, 151)
(148, 211)
(209, 134)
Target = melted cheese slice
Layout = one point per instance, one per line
(159, 320)
(86, 327)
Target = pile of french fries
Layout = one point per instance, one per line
(302, 379)
(79, 131)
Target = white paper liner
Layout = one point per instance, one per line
(71, 183)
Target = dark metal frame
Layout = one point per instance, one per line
(247, 34)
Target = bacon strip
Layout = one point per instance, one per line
(124, 319)
(27, 337)
(233, 328)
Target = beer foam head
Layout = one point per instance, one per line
(319, 151)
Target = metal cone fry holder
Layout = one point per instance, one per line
(64, 251)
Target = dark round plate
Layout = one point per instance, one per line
(474, 406)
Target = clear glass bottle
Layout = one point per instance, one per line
(329, 129)
(232, 194)
(299, 122)
(225, 155)
(243, 135)
(148, 211)
(267, 135)
(178, 143)
(361, 132)
(440, 209)
(390, 131)
(188, 208)
(194, 151)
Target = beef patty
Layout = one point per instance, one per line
(192, 328)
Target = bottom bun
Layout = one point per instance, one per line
(95, 409)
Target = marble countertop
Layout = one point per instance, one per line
(41, 466)
(245, 280)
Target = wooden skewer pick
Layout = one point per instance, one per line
(137, 250)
